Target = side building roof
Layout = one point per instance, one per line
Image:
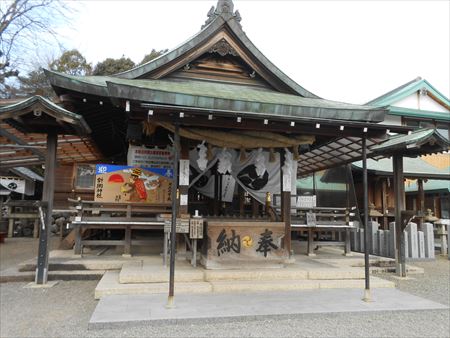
(405, 90)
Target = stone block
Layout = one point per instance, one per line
(392, 237)
(361, 240)
(428, 234)
(380, 243)
(373, 228)
(386, 243)
(421, 241)
(412, 239)
(354, 240)
(405, 243)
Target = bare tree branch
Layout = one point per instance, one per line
(22, 24)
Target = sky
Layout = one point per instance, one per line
(350, 51)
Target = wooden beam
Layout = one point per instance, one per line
(18, 140)
(47, 196)
(201, 120)
(399, 191)
(384, 201)
(285, 206)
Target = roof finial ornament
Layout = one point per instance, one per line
(225, 6)
(225, 9)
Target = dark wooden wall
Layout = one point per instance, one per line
(375, 190)
(65, 187)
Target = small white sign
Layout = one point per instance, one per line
(306, 201)
(183, 199)
(150, 157)
(184, 172)
(287, 184)
(311, 219)
(228, 184)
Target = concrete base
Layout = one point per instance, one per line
(47, 285)
(403, 278)
(110, 284)
(136, 310)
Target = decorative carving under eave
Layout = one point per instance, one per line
(223, 48)
(223, 7)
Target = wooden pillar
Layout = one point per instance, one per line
(420, 200)
(47, 196)
(78, 232)
(384, 204)
(77, 248)
(241, 192)
(184, 176)
(216, 202)
(399, 191)
(183, 187)
(285, 187)
(36, 228)
(255, 207)
(127, 246)
(10, 223)
(367, 295)
(436, 206)
(176, 149)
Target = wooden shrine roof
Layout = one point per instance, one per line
(348, 149)
(240, 99)
(219, 68)
(38, 114)
(71, 149)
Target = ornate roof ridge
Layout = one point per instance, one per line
(225, 9)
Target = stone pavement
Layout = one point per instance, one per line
(120, 311)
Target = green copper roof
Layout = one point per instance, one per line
(207, 95)
(237, 98)
(430, 186)
(406, 90)
(306, 183)
(71, 120)
(412, 167)
(413, 142)
(418, 113)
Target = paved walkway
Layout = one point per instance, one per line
(130, 310)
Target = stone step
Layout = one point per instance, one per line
(288, 285)
(109, 285)
(141, 272)
(14, 275)
(77, 263)
(134, 273)
(255, 275)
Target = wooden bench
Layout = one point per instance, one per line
(318, 220)
(122, 216)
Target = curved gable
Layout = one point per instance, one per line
(222, 29)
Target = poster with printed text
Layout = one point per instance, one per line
(122, 184)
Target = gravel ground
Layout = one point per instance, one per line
(433, 284)
(19, 249)
(64, 311)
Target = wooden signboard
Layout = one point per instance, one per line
(182, 226)
(114, 183)
(196, 228)
(311, 219)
